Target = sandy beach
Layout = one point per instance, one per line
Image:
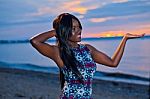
(23, 84)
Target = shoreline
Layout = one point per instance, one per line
(26, 84)
(108, 76)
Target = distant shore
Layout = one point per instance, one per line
(52, 40)
(25, 84)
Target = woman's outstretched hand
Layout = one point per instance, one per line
(132, 36)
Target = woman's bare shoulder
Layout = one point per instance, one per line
(89, 46)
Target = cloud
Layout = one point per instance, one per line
(97, 16)
(69, 6)
(119, 1)
(131, 23)
(125, 15)
(100, 19)
(128, 18)
(119, 9)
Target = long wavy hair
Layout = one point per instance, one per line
(63, 27)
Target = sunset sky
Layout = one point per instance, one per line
(21, 19)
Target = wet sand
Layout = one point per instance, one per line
(23, 84)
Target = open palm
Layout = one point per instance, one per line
(132, 36)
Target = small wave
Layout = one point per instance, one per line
(120, 77)
(30, 67)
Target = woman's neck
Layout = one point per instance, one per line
(73, 44)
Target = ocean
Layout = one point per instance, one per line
(134, 66)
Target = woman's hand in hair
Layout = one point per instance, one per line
(54, 33)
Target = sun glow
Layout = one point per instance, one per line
(112, 34)
(108, 35)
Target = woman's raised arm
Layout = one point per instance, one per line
(102, 58)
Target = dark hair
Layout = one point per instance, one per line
(63, 27)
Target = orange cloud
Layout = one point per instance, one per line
(81, 10)
(75, 6)
(70, 6)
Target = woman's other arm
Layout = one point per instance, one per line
(102, 58)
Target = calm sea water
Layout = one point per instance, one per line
(135, 61)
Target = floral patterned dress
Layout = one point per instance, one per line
(73, 89)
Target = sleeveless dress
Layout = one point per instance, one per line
(73, 89)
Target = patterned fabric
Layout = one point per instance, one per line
(73, 89)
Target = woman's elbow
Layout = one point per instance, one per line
(33, 42)
(110, 64)
(114, 65)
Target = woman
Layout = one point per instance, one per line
(76, 62)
